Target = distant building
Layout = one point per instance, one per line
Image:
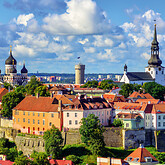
(11, 75)
(109, 76)
(153, 72)
(79, 73)
(100, 76)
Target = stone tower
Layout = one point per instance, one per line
(79, 73)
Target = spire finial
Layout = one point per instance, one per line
(155, 35)
(24, 62)
(13, 62)
(10, 48)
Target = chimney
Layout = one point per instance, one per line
(37, 95)
(59, 105)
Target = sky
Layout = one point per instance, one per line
(50, 35)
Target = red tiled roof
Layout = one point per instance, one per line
(128, 115)
(151, 101)
(158, 108)
(140, 154)
(3, 91)
(6, 162)
(141, 95)
(60, 162)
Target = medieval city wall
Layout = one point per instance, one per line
(8, 133)
(6, 123)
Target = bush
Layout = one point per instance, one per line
(117, 123)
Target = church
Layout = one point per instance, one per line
(11, 75)
(153, 72)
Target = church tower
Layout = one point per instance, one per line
(154, 63)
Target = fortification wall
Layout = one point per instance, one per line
(160, 140)
(8, 133)
(6, 123)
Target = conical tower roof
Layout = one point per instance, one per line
(24, 70)
(10, 59)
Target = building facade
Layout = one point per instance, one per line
(11, 75)
(79, 73)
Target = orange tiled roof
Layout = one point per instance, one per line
(141, 95)
(139, 155)
(158, 108)
(128, 115)
(152, 101)
(61, 162)
(3, 91)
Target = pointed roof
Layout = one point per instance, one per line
(9, 60)
(141, 154)
(24, 70)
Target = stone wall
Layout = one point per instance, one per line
(113, 137)
(8, 133)
(28, 145)
(160, 140)
(6, 123)
(149, 138)
(133, 138)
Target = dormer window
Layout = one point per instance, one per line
(129, 159)
(148, 159)
(136, 159)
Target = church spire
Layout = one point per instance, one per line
(155, 60)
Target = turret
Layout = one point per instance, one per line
(24, 71)
(125, 69)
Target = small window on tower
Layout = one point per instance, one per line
(156, 72)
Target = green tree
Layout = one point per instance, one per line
(107, 84)
(117, 123)
(4, 142)
(22, 160)
(161, 157)
(32, 85)
(90, 84)
(20, 89)
(53, 140)
(40, 158)
(7, 85)
(43, 91)
(126, 89)
(9, 101)
(137, 87)
(154, 89)
(91, 132)
(12, 154)
(75, 159)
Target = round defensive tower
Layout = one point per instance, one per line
(79, 73)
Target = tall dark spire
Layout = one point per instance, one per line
(10, 59)
(155, 60)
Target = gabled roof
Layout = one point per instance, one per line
(60, 162)
(3, 91)
(137, 76)
(150, 101)
(140, 155)
(158, 108)
(128, 115)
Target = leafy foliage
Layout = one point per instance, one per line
(117, 123)
(7, 85)
(9, 101)
(91, 132)
(126, 89)
(42, 90)
(154, 89)
(90, 84)
(39, 158)
(107, 84)
(22, 160)
(53, 140)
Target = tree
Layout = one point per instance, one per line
(154, 89)
(91, 132)
(107, 84)
(117, 123)
(9, 101)
(32, 85)
(126, 89)
(22, 160)
(7, 85)
(20, 89)
(39, 158)
(90, 84)
(43, 91)
(53, 140)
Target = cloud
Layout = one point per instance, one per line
(23, 19)
(145, 56)
(90, 50)
(81, 17)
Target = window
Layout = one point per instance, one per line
(146, 117)
(15, 120)
(163, 124)
(50, 124)
(156, 72)
(99, 113)
(52, 115)
(23, 113)
(28, 113)
(152, 124)
(76, 122)
(152, 117)
(107, 112)
(102, 113)
(28, 121)
(159, 117)
(33, 114)
(67, 114)
(18, 120)
(75, 114)
(162, 72)
(102, 120)
(33, 121)
(151, 72)
(43, 122)
(43, 114)
(159, 124)
(70, 122)
(164, 117)
(38, 122)
(127, 124)
(23, 119)
(38, 114)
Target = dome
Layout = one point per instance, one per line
(13, 70)
(24, 70)
(10, 60)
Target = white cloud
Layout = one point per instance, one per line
(145, 56)
(83, 41)
(81, 17)
(90, 50)
(23, 19)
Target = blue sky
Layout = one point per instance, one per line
(50, 34)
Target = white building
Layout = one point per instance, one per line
(153, 72)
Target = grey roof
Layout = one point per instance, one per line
(137, 76)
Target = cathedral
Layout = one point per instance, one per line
(11, 75)
(153, 72)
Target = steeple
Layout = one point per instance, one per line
(155, 60)
(10, 59)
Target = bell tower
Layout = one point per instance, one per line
(154, 63)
